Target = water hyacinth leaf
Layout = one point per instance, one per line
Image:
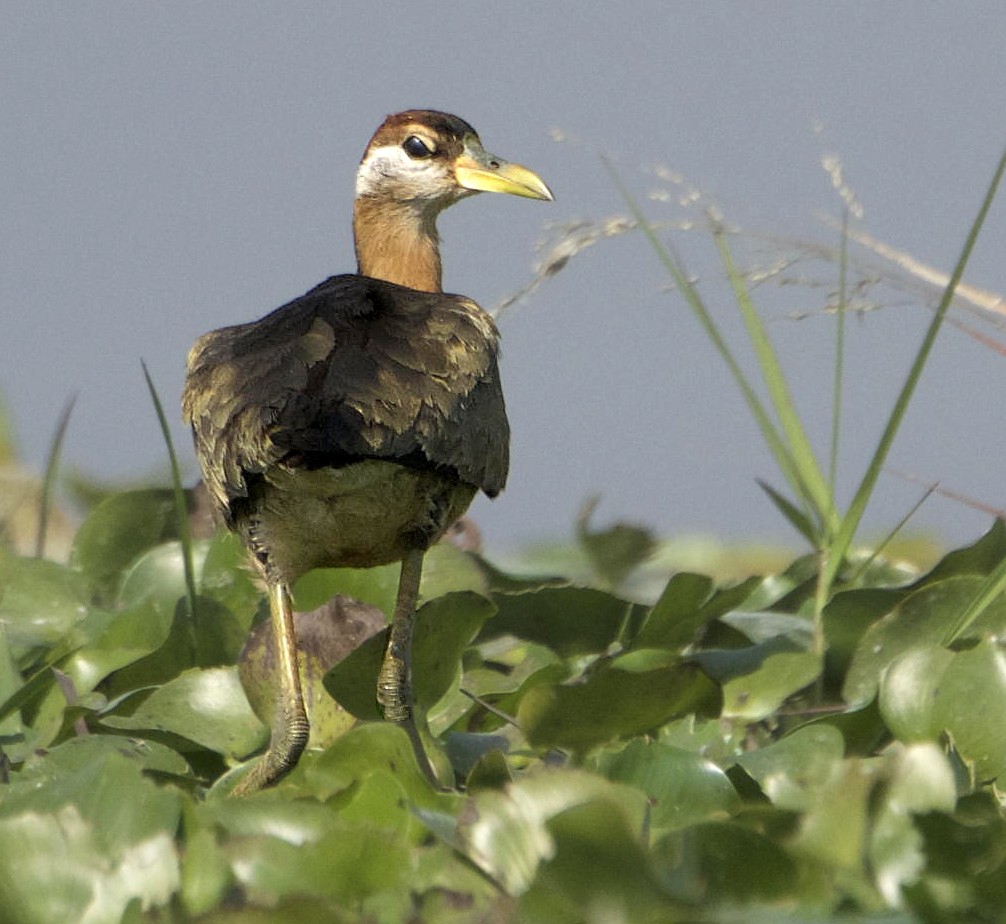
(130, 635)
(366, 749)
(444, 628)
(597, 862)
(725, 863)
(793, 770)
(505, 832)
(348, 864)
(909, 689)
(920, 619)
(87, 883)
(613, 703)
(569, 620)
(205, 706)
(921, 780)
(226, 578)
(118, 530)
(40, 602)
(975, 677)
(614, 551)
(85, 751)
(445, 569)
(834, 827)
(677, 615)
(682, 787)
(755, 696)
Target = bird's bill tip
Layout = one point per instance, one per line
(484, 173)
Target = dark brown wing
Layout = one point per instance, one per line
(356, 368)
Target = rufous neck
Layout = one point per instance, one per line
(397, 242)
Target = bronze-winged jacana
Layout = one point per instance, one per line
(354, 425)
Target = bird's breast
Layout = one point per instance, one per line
(367, 513)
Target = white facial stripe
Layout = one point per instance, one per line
(389, 166)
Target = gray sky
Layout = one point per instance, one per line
(174, 167)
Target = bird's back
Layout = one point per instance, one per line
(357, 369)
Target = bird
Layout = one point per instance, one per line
(353, 426)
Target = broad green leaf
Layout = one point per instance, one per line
(722, 863)
(909, 689)
(505, 833)
(920, 619)
(922, 780)
(445, 568)
(207, 707)
(682, 788)
(91, 833)
(793, 770)
(970, 689)
(77, 755)
(10, 683)
(569, 620)
(598, 870)
(834, 827)
(611, 704)
(61, 870)
(444, 628)
(757, 695)
(118, 530)
(615, 551)
(364, 750)
(676, 617)
(40, 602)
(348, 864)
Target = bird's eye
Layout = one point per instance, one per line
(415, 147)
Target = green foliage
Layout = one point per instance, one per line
(688, 759)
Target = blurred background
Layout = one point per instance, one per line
(171, 168)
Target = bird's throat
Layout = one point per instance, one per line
(397, 242)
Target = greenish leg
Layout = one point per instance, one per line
(394, 681)
(290, 729)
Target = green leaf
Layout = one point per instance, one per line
(445, 568)
(367, 749)
(681, 787)
(611, 704)
(444, 628)
(722, 863)
(919, 620)
(569, 620)
(505, 833)
(973, 678)
(118, 531)
(792, 771)
(678, 615)
(909, 689)
(757, 695)
(92, 834)
(40, 602)
(207, 707)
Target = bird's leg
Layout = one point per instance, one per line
(394, 682)
(290, 728)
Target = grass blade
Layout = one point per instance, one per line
(836, 385)
(853, 516)
(816, 488)
(675, 268)
(181, 507)
(797, 519)
(49, 481)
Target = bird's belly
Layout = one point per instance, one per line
(360, 515)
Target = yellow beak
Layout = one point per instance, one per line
(481, 172)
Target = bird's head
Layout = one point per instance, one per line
(431, 159)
